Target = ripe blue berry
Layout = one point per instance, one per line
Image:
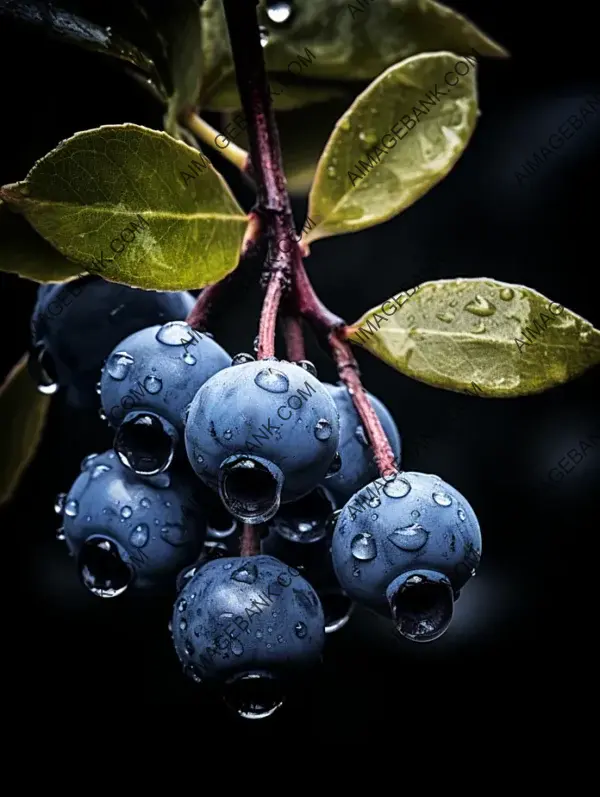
(76, 324)
(262, 433)
(239, 618)
(358, 464)
(147, 384)
(127, 532)
(406, 545)
(304, 521)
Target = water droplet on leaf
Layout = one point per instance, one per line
(480, 306)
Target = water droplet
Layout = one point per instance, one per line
(227, 434)
(199, 459)
(480, 306)
(43, 371)
(60, 534)
(271, 380)
(331, 171)
(242, 358)
(280, 639)
(145, 503)
(59, 504)
(363, 547)
(183, 624)
(182, 605)
(101, 414)
(87, 461)
(361, 436)
(397, 488)
(506, 294)
(71, 508)
(194, 673)
(102, 570)
(175, 333)
(189, 359)
(335, 467)
(259, 634)
(300, 630)
(269, 629)
(306, 365)
(126, 512)
(174, 534)
(236, 647)
(442, 499)
(345, 125)
(446, 317)
(255, 343)
(153, 384)
(98, 470)
(189, 648)
(118, 365)
(228, 566)
(98, 388)
(254, 695)
(323, 430)
(374, 516)
(368, 137)
(264, 36)
(279, 12)
(479, 328)
(247, 574)
(409, 538)
(462, 515)
(139, 536)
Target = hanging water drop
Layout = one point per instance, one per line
(272, 380)
(306, 365)
(254, 695)
(264, 36)
(59, 504)
(102, 570)
(323, 430)
(175, 333)
(71, 508)
(118, 365)
(279, 12)
(242, 358)
(363, 547)
(247, 574)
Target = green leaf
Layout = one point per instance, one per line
(24, 252)
(399, 138)
(22, 417)
(134, 206)
(508, 339)
(335, 40)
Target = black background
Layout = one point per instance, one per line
(516, 647)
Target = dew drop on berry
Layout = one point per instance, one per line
(264, 36)
(409, 538)
(194, 673)
(227, 434)
(272, 380)
(323, 430)
(336, 464)
(87, 461)
(102, 570)
(363, 547)
(300, 630)
(360, 435)
(43, 371)
(228, 566)
(442, 499)
(236, 647)
(59, 504)
(255, 343)
(174, 534)
(254, 695)
(153, 385)
(306, 365)
(71, 508)
(175, 333)
(397, 488)
(462, 515)
(183, 624)
(247, 574)
(101, 414)
(506, 294)
(182, 605)
(145, 503)
(60, 534)
(98, 470)
(242, 358)
(259, 634)
(118, 365)
(279, 11)
(189, 359)
(374, 502)
(126, 512)
(98, 388)
(139, 536)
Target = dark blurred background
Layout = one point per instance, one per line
(515, 649)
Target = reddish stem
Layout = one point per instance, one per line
(294, 338)
(268, 316)
(350, 376)
(250, 544)
(308, 303)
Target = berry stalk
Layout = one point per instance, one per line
(250, 542)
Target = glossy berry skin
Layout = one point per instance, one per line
(159, 370)
(358, 464)
(247, 614)
(75, 325)
(262, 433)
(409, 531)
(152, 529)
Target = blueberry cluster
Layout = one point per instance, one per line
(207, 446)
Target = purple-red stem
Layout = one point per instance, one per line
(250, 543)
(294, 338)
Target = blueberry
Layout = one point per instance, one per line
(358, 464)
(304, 521)
(262, 433)
(127, 532)
(148, 382)
(240, 620)
(76, 324)
(406, 544)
